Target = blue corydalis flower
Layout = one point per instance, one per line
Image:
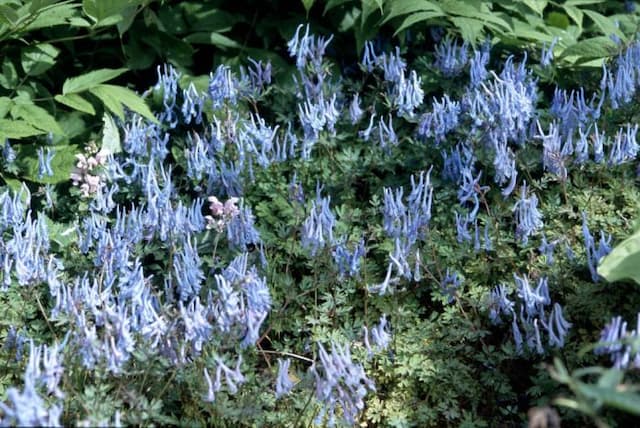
(528, 218)
(546, 56)
(620, 344)
(443, 118)
(44, 162)
(594, 252)
(451, 58)
(284, 385)
(307, 48)
(355, 112)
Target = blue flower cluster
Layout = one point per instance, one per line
(533, 315)
(621, 345)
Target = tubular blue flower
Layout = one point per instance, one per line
(259, 75)
(187, 270)
(554, 154)
(318, 227)
(192, 105)
(284, 385)
(407, 94)
(625, 146)
(528, 218)
(393, 66)
(478, 65)
(620, 344)
(462, 227)
(557, 327)
(451, 58)
(355, 112)
(241, 231)
(386, 133)
(369, 58)
(307, 48)
(223, 87)
(449, 285)
(348, 262)
(499, 304)
(366, 134)
(533, 301)
(594, 252)
(443, 118)
(168, 84)
(341, 383)
(546, 249)
(44, 162)
(546, 56)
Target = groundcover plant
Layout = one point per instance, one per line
(339, 249)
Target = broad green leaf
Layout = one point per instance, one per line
(622, 400)
(62, 163)
(215, 39)
(537, 6)
(107, 12)
(63, 234)
(331, 4)
(8, 15)
(51, 16)
(557, 19)
(606, 25)
(37, 5)
(130, 99)
(582, 2)
(110, 102)
(5, 106)
(596, 47)
(110, 136)
(36, 59)
(472, 10)
(574, 13)
(369, 7)
(9, 77)
(76, 101)
(90, 80)
(36, 117)
(308, 4)
(404, 7)
(623, 262)
(416, 18)
(17, 129)
(470, 29)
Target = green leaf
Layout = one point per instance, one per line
(37, 59)
(215, 39)
(62, 163)
(405, 7)
(605, 25)
(75, 101)
(623, 262)
(611, 378)
(307, 4)
(54, 15)
(473, 10)
(107, 12)
(110, 102)
(90, 80)
(582, 2)
(113, 97)
(17, 129)
(470, 29)
(574, 13)
(9, 77)
(8, 15)
(416, 18)
(557, 19)
(595, 47)
(5, 106)
(110, 136)
(36, 117)
(537, 6)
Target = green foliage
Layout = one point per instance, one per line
(623, 262)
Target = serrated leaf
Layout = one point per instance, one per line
(107, 12)
(405, 7)
(130, 99)
(623, 262)
(472, 10)
(416, 18)
(537, 6)
(76, 101)
(36, 117)
(89, 80)
(51, 16)
(110, 136)
(470, 29)
(17, 129)
(110, 102)
(36, 59)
